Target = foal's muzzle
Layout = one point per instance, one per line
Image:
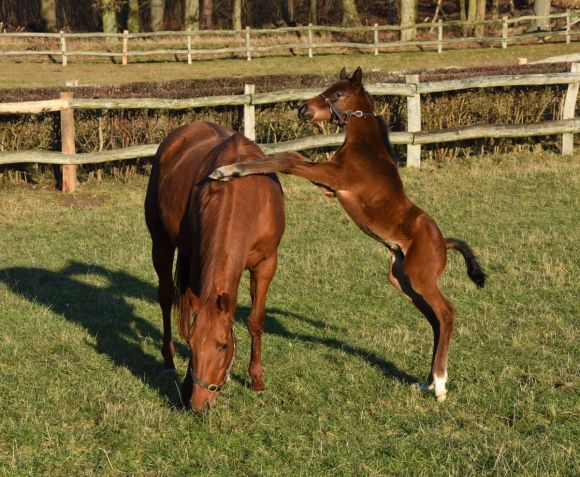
(304, 113)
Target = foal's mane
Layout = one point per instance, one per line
(384, 127)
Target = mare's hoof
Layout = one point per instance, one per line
(216, 175)
(258, 386)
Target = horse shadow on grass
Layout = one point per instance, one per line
(106, 312)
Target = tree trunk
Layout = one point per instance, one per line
(109, 17)
(313, 16)
(192, 14)
(157, 15)
(462, 11)
(237, 15)
(133, 20)
(480, 16)
(207, 14)
(290, 12)
(495, 9)
(471, 17)
(350, 16)
(542, 7)
(48, 13)
(408, 17)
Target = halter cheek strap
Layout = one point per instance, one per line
(343, 116)
(214, 388)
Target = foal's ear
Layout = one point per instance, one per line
(343, 74)
(356, 78)
(223, 303)
(193, 301)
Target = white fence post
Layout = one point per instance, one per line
(569, 110)
(413, 122)
(439, 36)
(310, 54)
(376, 38)
(250, 113)
(568, 25)
(63, 48)
(125, 45)
(189, 46)
(504, 33)
(248, 52)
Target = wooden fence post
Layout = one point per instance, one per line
(439, 36)
(189, 46)
(63, 48)
(413, 122)
(67, 139)
(568, 25)
(376, 38)
(248, 52)
(125, 45)
(310, 53)
(250, 113)
(504, 32)
(568, 113)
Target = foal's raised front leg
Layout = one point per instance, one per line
(324, 174)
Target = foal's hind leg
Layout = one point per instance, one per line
(162, 254)
(415, 274)
(423, 264)
(260, 278)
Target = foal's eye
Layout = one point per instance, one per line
(223, 347)
(338, 94)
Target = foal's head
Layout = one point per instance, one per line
(337, 102)
(212, 344)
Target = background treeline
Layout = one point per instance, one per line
(154, 15)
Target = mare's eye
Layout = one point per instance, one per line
(223, 347)
(338, 94)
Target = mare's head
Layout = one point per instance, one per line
(212, 343)
(339, 101)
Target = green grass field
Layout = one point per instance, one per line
(33, 74)
(81, 388)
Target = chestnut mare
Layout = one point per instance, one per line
(363, 176)
(219, 230)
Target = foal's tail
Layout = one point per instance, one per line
(474, 270)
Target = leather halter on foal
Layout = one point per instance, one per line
(343, 116)
(214, 388)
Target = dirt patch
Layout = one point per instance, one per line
(82, 200)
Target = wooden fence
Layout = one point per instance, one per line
(310, 38)
(413, 137)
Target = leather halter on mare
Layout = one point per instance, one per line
(214, 388)
(343, 116)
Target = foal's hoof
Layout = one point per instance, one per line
(441, 397)
(221, 174)
(258, 385)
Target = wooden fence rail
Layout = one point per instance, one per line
(310, 38)
(413, 137)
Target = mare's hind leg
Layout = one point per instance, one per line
(416, 274)
(162, 254)
(260, 278)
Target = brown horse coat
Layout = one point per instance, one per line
(363, 175)
(218, 231)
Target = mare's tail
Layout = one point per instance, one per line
(180, 301)
(474, 270)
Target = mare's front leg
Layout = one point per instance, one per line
(260, 278)
(324, 174)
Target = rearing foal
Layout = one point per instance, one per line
(363, 176)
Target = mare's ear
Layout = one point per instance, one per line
(223, 303)
(343, 74)
(356, 78)
(193, 301)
